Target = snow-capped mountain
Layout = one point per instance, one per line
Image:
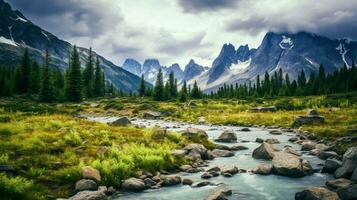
(17, 33)
(289, 52)
(151, 67)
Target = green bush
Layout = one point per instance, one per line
(17, 188)
(73, 138)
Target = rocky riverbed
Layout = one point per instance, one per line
(248, 163)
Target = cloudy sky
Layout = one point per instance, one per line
(176, 30)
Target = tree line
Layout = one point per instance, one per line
(51, 84)
(342, 80)
(169, 90)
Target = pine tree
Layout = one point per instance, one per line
(17, 80)
(258, 89)
(159, 87)
(46, 89)
(142, 88)
(58, 84)
(73, 90)
(25, 72)
(172, 85)
(195, 93)
(183, 92)
(35, 78)
(98, 80)
(88, 76)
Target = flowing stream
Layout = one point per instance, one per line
(244, 185)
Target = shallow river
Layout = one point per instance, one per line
(244, 185)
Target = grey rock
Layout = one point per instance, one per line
(86, 184)
(349, 163)
(179, 152)
(170, 180)
(222, 153)
(122, 121)
(327, 154)
(259, 140)
(302, 120)
(220, 193)
(263, 169)
(312, 112)
(293, 139)
(291, 151)
(91, 173)
(308, 146)
(227, 136)
(275, 132)
(245, 129)
(89, 195)
(201, 184)
(187, 181)
(349, 193)
(287, 164)
(316, 193)
(206, 175)
(152, 115)
(331, 165)
(238, 148)
(134, 184)
(149, 182)
(194, 133)
(264, 151)
(230, 170)
(339, 183)
(272, 141)
(264, 109)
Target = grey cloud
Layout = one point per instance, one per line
(172, 46)
(70, 18)
(253, 25)
(206, 5)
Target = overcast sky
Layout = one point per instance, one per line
(174, 31)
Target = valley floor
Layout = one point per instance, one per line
(46, 145)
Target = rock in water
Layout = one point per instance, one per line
(195, 133)
(308, 146)
(263, 169)
(227, 136)
(349, 163)
(134, 184)
(89, 195)
(338, 183)
(152, 115)
(264, 151)
(169, 180)
(331, 165)
(86, 184)
(222, 153)
(287, 164)
(349, 193)
(316, 193)
(219, 194)
(122, 121)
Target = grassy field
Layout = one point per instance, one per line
(48, 145)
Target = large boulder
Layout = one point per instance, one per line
(316, 193)
(152, 115)
(222, 153)
(287, 164)
(220, 193)
(122, 121)
(272, 141)
(179, 152)
(264, 151)
(134, 184)
(348, 193)
(227, 136)
(339, 183)
(86, 184)
(312, 112)
(229, 170)
(170, 180)
(263, 169)
(291, 151)
(327, 154)
(91, 173)
(331, 165)
(196, 151)
(89, 195)
(195, 133)
(349, 163)
(308, 146)
(354, 175)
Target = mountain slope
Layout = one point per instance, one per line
(289, 52)
(18, 33)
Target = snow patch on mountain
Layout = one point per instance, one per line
(240, 66)
(286, 43)
(7, 41)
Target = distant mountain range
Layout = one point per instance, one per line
(17, 33)
(291, 52)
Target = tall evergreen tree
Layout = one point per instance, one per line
(142, 88)
(17, 80)
(195, 93)
(183, 92)
(73, 90)
(35, 78)
(88, 75)
(159, 87)
(172, 85)
(25, 72)
(98, 80)
(46, 89)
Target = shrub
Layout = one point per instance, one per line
(17, 188)
(73, 138)
(4, 159)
